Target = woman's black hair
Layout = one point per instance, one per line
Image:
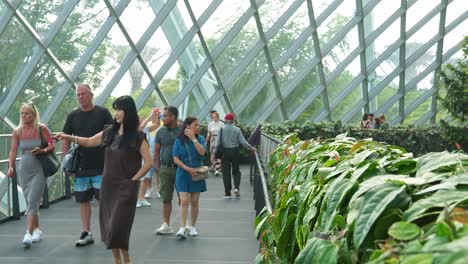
(187, 122)
(365, 116)
(130, 122)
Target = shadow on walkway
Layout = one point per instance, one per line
(226, 233)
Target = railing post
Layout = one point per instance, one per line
(45, 197)
(14, 194)
(67, 185)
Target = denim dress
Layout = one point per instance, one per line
(184, 181)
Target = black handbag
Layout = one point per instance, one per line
(71, 161)
(49, 161)
(219, 151)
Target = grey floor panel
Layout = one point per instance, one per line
(225, 226)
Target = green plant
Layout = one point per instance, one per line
(455, 84)
(345, 200)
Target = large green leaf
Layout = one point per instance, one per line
(318, 251)
(417, 259)
(460, 257)
(439, 199)
(441, 186)
(404, 231)
(338, 191)
(373, 182)
(375, 202)
(437, 160)
(286, 237)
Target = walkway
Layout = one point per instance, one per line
(225, 226)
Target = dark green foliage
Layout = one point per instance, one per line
(360, 201)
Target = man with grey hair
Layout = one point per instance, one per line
(231, 138)
(86, 121)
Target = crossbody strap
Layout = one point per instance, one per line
(40, 135)
(188, 152)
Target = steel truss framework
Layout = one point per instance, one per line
(223, 85)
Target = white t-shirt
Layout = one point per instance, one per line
(214, 127)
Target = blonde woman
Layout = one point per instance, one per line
(31, 176)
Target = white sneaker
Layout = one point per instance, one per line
(148, 193)
(142, 203)
(159, 195)
(193, 231)
(36, 235)
(236, 193)
(216, 173)
(181, 232)
(227, 197)
(27, 240)
(86, 238)
(165, 229)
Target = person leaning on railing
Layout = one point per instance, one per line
(232, 138)
(31, 176)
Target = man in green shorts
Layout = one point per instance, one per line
(165, 166)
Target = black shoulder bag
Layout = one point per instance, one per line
(219, 152)
(49, 160)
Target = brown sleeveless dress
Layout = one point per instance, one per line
(118, 192)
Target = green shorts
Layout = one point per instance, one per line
(167, 177)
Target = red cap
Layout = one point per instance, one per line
(229, 116)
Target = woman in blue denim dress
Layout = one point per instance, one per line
(189, 151)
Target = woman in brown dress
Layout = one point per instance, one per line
(125, 147)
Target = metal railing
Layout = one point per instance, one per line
(266, 145)
(12, 202)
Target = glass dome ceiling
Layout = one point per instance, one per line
(264, 60)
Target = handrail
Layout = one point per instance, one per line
(264, 184)
(277, 141)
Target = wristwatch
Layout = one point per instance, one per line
(195, 140)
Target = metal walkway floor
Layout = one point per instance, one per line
(226, 233)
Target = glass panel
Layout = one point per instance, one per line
(78, 32)
(336, 21)
(349, 43)
(41, 14)
(418, 112)
(247, 80)
(15, 53)
(301, 92)
(384, 95)
(199, 6)
(335, 88)
(454, 10)
(455, 36)
(382, 43)
(422, 36)
(57, 121)
(259, 104)
(418, 10)
(177, 24)
(220, 23)
(136, 18)
(132, 83)
(170, 83)
(312, 111)
(392, 112)
(289, 32)
(422, 87)
(295, 64)
(236, 51)
(106, 60)
(347, 103)
(40, 88)
(275, 117)
(379, 14)
(156, 51)
(271, 10)
(414, 70)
